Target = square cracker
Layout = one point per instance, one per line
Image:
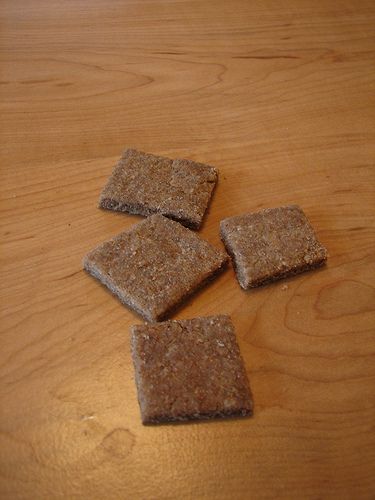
(190, 369)
(271, 244)
(145, 184)
(155, 265)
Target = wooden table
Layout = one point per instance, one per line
(280, 97)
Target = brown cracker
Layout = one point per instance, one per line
(271, 244)
(155, 265)
(190, 369)
(145, 184)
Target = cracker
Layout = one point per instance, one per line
(145, 184)
(155, 265)
(271, 244)
(188, 370)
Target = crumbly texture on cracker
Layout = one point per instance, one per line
(155, 265)
(271, 244)
(145, 184)
(189, 369)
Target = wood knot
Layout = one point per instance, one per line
(344, 298)
(119, 443)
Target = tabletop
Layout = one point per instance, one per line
(279, 96)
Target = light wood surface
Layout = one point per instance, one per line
(280, 97)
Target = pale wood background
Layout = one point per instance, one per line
(279, 95)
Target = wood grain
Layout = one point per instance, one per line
(280, 97)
